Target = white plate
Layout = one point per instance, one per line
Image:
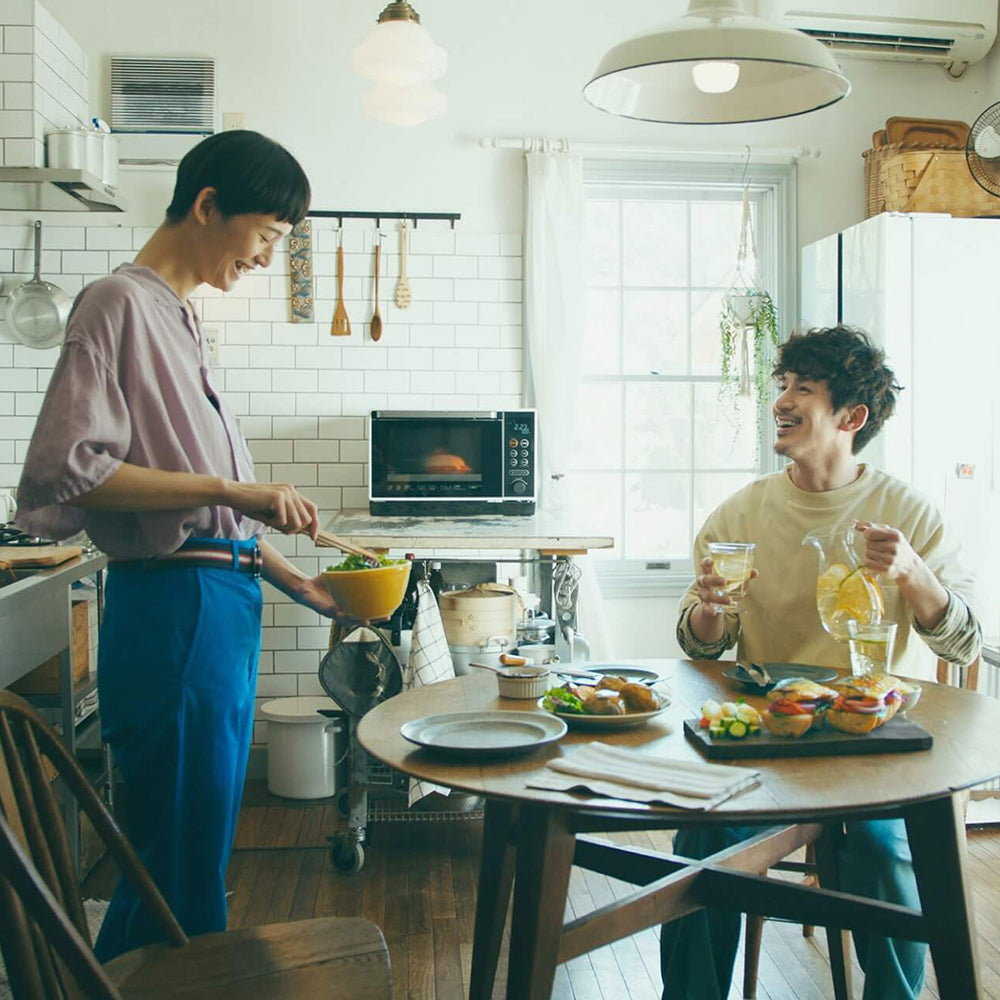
(611, 721)
(479, 734)
(631, 672)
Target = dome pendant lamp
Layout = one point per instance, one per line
(717, 65)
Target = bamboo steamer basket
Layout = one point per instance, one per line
(901, 177)
(473, 617)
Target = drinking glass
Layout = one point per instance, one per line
(871, 646)
(733, 561)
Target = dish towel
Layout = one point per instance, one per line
(429, 663)
(623, 773)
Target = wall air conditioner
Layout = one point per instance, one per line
(952, 33)
(161, 106)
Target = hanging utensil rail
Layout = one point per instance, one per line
(414, 217)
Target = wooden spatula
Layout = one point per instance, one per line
(403, 294)
(376, 324)
(341, 325)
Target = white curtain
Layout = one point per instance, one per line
(555, 294)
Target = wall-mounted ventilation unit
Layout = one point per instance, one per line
(161, 106)
(953, 33)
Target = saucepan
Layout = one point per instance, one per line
(37, 310)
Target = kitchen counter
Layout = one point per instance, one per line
(541, 532)
(556, 539)
(35, 615)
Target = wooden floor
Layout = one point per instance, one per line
(419, 881)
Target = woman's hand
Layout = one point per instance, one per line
(278, 505)
(313, 594)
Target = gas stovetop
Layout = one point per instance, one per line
(9, 535)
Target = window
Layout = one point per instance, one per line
(655, 450)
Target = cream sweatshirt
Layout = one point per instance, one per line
(781, 623)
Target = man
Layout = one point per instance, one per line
(835, 393)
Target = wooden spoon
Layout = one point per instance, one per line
(403, 293)
(376, 324)
(341, 325)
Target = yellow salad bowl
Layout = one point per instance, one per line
(367, 594)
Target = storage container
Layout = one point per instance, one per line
(900, 177)
(304, 749)
(44, 679)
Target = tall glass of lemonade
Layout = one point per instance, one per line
(734, 562)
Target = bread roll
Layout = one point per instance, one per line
(611, 683)
(854, 722)
(786, 725)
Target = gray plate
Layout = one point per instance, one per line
(637, 675)
(481, 734)
(782, 671)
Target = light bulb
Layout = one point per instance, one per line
(715, 76)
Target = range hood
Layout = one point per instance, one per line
(49, 189)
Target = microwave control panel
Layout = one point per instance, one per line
(519, 454)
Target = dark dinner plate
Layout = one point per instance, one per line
(780, 672)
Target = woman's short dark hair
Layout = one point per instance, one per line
(853, 369)
(250, 173)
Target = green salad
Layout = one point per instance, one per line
(359, 562)
(559, 699)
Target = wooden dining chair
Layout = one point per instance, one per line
(44, 937)
(965, 677)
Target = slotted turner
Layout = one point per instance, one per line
(341, 325)
(403, 295)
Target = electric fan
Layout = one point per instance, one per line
(982, 150)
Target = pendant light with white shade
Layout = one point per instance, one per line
(717, 64)
(399, 56)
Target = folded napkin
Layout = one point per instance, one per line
(627, 774)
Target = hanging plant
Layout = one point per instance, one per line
(748, 325)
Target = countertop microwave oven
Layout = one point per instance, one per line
(441, 463)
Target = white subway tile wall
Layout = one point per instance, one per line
(43, 82)
(303, 396)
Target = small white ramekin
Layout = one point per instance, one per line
(523, 682)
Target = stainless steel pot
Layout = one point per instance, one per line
(535, 629)
(487, 652)
(37, 310)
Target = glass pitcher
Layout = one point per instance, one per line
(845, 590)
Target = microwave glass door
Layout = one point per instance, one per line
(436, 458)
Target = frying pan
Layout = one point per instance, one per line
(37, 310)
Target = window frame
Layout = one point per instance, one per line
(774, 187)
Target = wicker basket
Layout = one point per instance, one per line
(903, 178)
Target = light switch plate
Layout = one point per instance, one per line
(212, 335)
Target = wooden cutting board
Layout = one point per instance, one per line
(898, 735)
(38, 555)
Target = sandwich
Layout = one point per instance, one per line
(796, 705)
(865, 702)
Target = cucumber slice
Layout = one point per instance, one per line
(716, 731)
(738, 730)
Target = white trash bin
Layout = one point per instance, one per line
(303, 747)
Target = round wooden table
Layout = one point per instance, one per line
(533, 834)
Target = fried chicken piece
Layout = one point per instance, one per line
(639, 698)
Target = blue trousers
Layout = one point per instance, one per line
(697, 952)
(177, 671)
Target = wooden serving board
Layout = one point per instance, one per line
(38, 555)
(896, 736)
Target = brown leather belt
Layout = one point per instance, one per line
(211, 556)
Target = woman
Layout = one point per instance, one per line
(134, 444)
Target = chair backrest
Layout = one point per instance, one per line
(43, 929)
(967, 676)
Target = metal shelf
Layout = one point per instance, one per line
(47, 189)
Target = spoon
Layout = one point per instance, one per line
(341, 325)
(376, 324)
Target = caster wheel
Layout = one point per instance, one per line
(344, 803)
(347, 858)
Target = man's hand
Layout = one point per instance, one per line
(888, 551)
(706, 619)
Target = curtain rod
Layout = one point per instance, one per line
(788, 154)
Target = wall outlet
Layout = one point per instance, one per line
(212, 335)
(233, 119)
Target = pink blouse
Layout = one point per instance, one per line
(132, 384)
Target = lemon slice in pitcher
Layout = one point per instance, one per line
(861, 596)
(829, 581)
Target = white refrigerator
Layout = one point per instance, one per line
(926, 287)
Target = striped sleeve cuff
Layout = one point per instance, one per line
(958, 637)
(698, 650)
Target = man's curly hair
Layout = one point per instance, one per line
(853, 369)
